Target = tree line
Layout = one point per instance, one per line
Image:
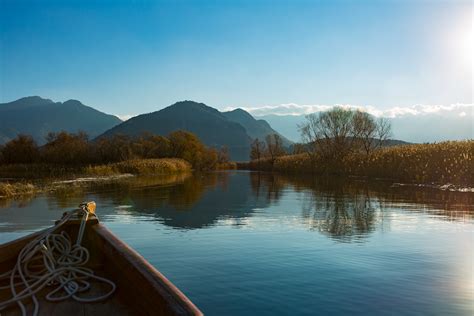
(65, 148)
(330, 136)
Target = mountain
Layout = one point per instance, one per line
(286, 125)
(37, 117)
(255, 128)
(211, 126)
(433, 127)
(394, 142)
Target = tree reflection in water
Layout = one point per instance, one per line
(341, 215)
(348, 209)
(344, 209)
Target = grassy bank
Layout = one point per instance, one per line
(135, 166)
(55, 175)
(446, 162)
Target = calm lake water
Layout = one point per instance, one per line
(241, 243)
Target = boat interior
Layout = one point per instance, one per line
(140, 288)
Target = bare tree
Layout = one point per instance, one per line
(298, 148)
(365, 130)
(310, 134)
(371, 133)
(334, 134)
(329, 134)
(257, 149)
(274, 146)
(384, 130)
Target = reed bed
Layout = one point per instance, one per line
(142, 167)
(8, 190)
(446, 162)
(135, 166)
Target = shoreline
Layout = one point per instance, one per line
(444, 164)
(24, 180)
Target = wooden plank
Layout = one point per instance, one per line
(114, 305)
(10, 250)
(155, 294)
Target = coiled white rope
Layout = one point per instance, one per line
(51, 260)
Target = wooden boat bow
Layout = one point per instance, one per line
(141, 288)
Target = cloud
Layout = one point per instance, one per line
(459, 109)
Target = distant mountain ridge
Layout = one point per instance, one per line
(210, 125)
(37, 117)
(255, 128)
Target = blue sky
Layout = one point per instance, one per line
(129, 57)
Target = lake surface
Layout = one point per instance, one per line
(241, 243)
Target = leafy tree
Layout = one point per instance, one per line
(183, 144)
(187, 146)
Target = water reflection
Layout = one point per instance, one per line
(348, 209)
(341, 217)
(119, 192)
(343, 209)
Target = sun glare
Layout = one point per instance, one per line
(465, 41)
(467, 45)
(458, 40)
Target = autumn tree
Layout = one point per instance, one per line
(22, 149)
(67, 148)
(209, 159)
(151, 146)
(187, 146)
(114, 148)
(223, 155)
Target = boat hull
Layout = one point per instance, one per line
(141, 288)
